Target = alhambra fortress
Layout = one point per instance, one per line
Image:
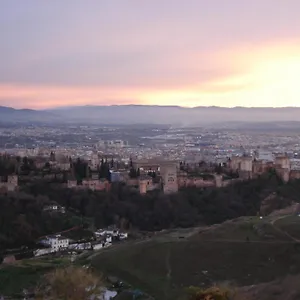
(249, 168)
(150, 175)
(245, 167)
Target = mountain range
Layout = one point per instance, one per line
(149, 114)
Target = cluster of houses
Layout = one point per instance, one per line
(58, 243)
(55, 208)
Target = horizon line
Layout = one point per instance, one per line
(148, 105)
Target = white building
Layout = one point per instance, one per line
(80, 246)
(104, 232)
(56, 242)
(55, 208)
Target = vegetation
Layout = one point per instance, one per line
(71, 283)
(212, 293)
(23, 220)
(26, 274)
(166, 264)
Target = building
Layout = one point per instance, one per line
(248, 168)
(283, 162)
(283, 167)
(235, 163)
(55, 242)
(95, 185)
(11, 184)
(146, 184)
(245, 167)
(116, 176)
(55, 208)
(146, 166)
(168, 173)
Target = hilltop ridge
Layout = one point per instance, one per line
(153, 114)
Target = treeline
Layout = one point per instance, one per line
(22, 218)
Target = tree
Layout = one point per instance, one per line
(112, 163)
(131, 163)
(218, 169)
(133, 173)
(71, 283)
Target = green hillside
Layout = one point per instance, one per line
(168, 263)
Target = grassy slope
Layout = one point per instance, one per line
(291, 225)
(166, 264)
(25, 274)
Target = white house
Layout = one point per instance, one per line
(51, 207)
(55, 208)
(108, 239)
(123, 235)
(103, 243)
(56, 242)
(104, 232)
(80, 246)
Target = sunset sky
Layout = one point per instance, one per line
(163, 52)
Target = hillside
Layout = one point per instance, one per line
(8, 114)
(244, 252)
(287, 289)
(253, 118)
(176, 115)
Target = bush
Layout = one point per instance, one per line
(71, 283)
(212, 293)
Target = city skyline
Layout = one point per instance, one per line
(191, 53)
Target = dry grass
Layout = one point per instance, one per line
(222, 291)
(212, 293)
(71, 283)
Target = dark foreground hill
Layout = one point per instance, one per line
(287, 289)
(242, 252)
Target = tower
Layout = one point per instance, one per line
(169, 177)
(283, 167)
(245, 171)
(143, 186)
(218, 180)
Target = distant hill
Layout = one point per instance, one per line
(8, 114)
(176, 115)
(143, 114)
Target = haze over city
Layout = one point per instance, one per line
(171, 52)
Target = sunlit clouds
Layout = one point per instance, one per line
(194, 54)
(266, 76)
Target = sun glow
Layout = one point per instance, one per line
(264, 76)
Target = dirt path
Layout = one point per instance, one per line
(169, 272)
(243, 241)
(282, 231)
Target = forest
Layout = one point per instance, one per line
(23, 220)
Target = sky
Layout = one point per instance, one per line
(159, 52)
